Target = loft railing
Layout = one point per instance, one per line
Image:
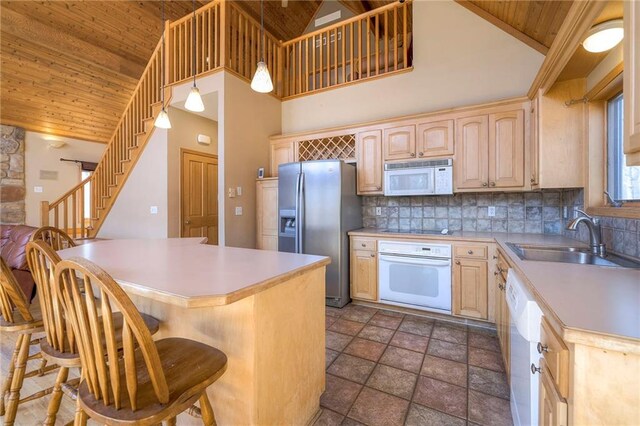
(360, 48)
(367, 46)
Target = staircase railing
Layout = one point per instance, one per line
(364, 47)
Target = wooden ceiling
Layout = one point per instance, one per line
(69, 67)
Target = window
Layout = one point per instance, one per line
(623, 182)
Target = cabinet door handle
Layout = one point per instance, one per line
(378, 188)
(542, 348)
(413, 154)
(493, 184)
(373, 255)
(484, 183)
(494, 257)
(470, 252)
(420, 154)
(535, 369)
(187, 222)
(501, 286)
(533, 180)
(457, 262)
(364, 245)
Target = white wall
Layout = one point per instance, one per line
(459, 59)
(39, 156)
(146, 186)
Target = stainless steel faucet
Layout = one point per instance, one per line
(595, 232)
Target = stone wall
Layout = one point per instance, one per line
(12, 182)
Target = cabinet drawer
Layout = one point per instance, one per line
(363, 244)
(556, 356)
(473, 252)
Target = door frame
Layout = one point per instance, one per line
(203, 154)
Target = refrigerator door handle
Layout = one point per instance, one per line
(301, 215)
(297, 215)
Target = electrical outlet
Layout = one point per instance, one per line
(238, 211)
(37, 189)
(153, 209)
(491, 211)
(378, 211)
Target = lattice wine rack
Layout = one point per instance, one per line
(334, 148)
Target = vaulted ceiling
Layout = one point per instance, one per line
(69, 67)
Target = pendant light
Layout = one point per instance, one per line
(162, 121)
(194, 100)
(604, 36)
(261, 79)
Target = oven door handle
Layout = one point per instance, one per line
(415, 260)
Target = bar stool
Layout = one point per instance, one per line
(60, 345)
(56, 238)
(154, 381)
(18, 317)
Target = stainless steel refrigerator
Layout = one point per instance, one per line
(317, 206)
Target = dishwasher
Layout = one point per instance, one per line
(524, 332)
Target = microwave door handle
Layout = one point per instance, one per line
(415, 261)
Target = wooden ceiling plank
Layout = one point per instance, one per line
(54, 130)
(39, 102)
(571, 33)
(504, 26)
(25, 28)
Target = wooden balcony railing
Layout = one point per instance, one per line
(364, 47)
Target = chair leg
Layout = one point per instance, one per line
(81, 417)
(54, 403)
(17, 379)
(171, 422)
(208, 418)
(9, 378)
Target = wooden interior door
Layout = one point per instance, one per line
(472, 149)
(506, 149)
(199, 196)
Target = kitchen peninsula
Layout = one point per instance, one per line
(263, 309)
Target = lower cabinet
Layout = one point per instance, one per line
(364, 269)
(502, 313)
(267, 214)
(552, 407)
(470, 288)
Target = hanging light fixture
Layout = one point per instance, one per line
(604, 36)
(162, 121)
(261, 79)
(194, 100)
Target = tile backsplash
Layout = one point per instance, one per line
(527, 212)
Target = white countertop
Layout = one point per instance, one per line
(588, 298)
(185, 272)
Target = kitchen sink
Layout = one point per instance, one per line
(568, 254)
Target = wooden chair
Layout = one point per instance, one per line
(153, 382)
(60, 344)
(24, 320)
(56, 238)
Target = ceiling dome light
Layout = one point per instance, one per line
(194, 101)
(604, 36)
(261, 79)
(162, 121)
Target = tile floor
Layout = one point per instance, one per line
(386, 368)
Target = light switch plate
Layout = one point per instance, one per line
(37, 189)
(232, 192)
(491, 211)
(153, 209)
(239, 191)
(238, 211)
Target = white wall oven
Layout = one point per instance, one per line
(415, 275)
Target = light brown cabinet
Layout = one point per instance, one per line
(364, 269)
(502, 312)
(552, 407)
(399, 143)
(369, 162)
(470, 288)
(281, 153)
(434, 138)
(490, 151)
(267, 214)
(631, 78)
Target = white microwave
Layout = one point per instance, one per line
(429, 177)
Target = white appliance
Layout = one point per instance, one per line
(525, 335)
(415, 275)
(430, 177)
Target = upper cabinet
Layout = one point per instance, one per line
(369, 162)
(489, 151)
(281, 153)
(557, 133)
(434, 138)
(632, 82)
(399, 143)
